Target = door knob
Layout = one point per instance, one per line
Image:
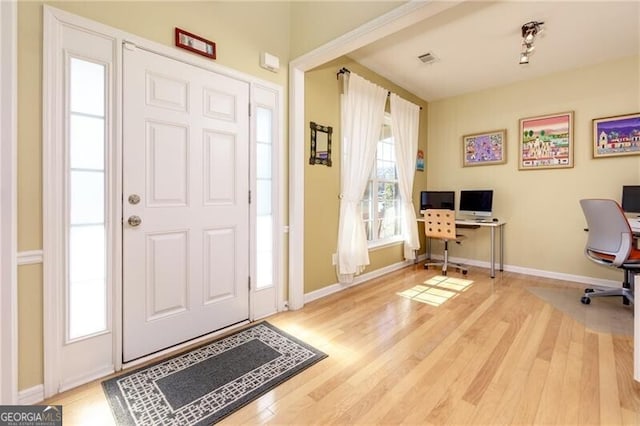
(134, 220)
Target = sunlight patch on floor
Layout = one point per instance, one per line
(437, 290)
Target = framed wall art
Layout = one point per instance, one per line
(482, 149)
(616, 136)
(546, 142)
(195, 43)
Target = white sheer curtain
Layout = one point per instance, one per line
(405, 118)
(362, 115)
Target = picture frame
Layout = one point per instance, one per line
(484, 149)
(420, 161)
(195, 43)
(320, 149)
(616, 136)
(546, 142)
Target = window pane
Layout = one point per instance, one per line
(87, 87)
(263, 198)
(264, 245)
(263, 161)
(87, 283)
(86, 142)
(263, 125)
(87, 197)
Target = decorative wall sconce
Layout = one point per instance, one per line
(529, 32)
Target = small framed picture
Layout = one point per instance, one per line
(195, 43)
(486, 148)
(616, 136)
(546, 141)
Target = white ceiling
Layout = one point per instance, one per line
(478, 43)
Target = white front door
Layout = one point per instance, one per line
(186, 177)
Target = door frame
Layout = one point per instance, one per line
(393, 21)
(8, 197)
(53, 276)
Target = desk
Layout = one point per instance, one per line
(499, 225)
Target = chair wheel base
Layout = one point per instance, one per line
(589, 290)
(464, 272)
(586, 300)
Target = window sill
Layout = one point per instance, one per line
(382, 244)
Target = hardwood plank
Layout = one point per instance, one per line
(495, 353)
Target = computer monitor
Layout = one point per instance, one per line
(631, 198)
(477, 202)
(437, 200)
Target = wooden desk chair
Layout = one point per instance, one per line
(610, 243)
(441, 224)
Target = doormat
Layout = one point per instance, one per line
(204, 385)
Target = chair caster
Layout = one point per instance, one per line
(589, 290)
(585, 299)
(464, 272)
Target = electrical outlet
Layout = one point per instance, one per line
(334, 259)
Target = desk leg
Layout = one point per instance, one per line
(493, 252)
(501, 248)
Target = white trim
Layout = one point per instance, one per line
(31, 396)
(30, 257)
(401, 17)
(86, 378)
(335, 288)
(53, 261)
(560, 276)
(179, 348)
(8, 199)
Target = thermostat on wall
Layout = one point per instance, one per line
(269, 62)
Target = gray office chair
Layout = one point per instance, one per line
(610, 243)
(441, 224)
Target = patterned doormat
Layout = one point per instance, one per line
(204, 385)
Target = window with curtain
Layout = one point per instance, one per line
(381, 204)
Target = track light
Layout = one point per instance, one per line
(529, 32)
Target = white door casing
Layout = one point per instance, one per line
(100, 355)
(186, 156)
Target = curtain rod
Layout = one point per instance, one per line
(346, 70)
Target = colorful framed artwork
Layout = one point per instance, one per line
(482, 149)
(195, 43)
(420, 161)
(616, 136)
(546, 142)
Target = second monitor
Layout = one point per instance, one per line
(437, 200)
(477, 202)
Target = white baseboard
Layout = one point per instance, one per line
(334, 288)
(31, 396)
(538, 272)
(86, 378)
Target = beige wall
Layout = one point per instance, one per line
(545, 222)
(314, 23)
(322, 183)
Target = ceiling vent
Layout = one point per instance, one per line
(428, 58)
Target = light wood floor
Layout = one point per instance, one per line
(493, 354)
